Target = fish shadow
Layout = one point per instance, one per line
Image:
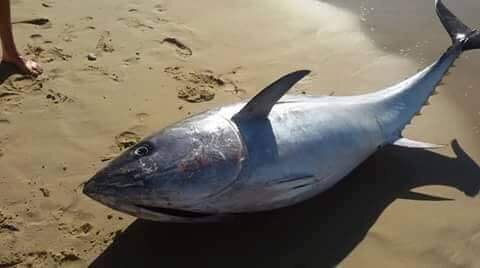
(320, 232)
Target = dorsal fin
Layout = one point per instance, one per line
(261, 105)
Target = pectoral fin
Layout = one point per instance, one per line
(404, 142)
(291, 187)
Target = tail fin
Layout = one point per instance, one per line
(458, 31)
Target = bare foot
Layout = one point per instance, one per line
(25, 66)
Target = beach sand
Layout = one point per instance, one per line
(116, 71)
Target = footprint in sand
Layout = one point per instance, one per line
(102, 71)
(67, 33)
(34, 50)
(59, 53)
(133, 22)
(87, 23)
(36, 36)
(87, 18)
(5, 227)
(126, 140)
(46, 55)
(159, 8)
(23, 84)
(196, 94)
(69, 259)
(200, 86)
(7, 224)
(38, 39)
(10, 260)
(50, 259)
(57, 97)
(105, 43)
(54, 73)
(82, 230)
(10, 99)
(132, 60)
(181, 49)
(16, 88)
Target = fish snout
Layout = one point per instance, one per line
(95, 186)
(90, 189)
(116, 185)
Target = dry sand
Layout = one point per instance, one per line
(152, 63)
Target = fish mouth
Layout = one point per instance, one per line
(147, 212)
(175, 212)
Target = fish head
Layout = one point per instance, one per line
(172, 173)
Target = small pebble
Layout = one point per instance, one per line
(91, 57)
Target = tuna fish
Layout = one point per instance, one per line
(273, 151)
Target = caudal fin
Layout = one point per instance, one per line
(458, 31)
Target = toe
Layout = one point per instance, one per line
(33, 67)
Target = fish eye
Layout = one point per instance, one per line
(142, 150)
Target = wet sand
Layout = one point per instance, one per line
(157, 62)
(410, 29)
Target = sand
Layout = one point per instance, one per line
(116, 71)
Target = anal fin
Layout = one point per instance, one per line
(404, 142)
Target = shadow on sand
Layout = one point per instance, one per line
(7, 70)
(318, 233)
